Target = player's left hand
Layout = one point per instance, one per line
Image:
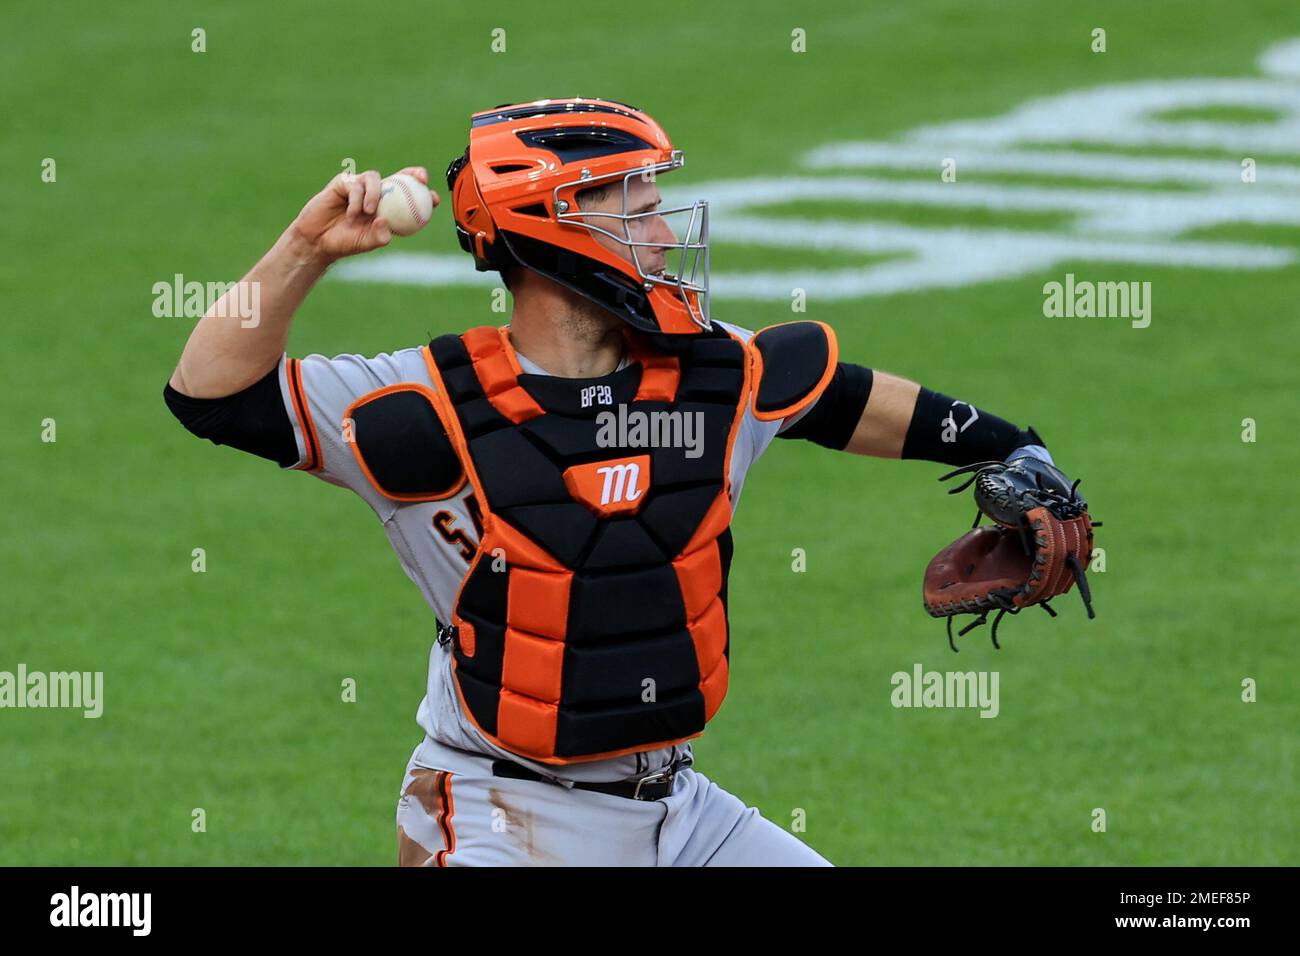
(1037, 548)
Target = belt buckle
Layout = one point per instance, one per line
(659, 776)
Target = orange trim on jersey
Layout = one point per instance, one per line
(446, 810)
(428, 395)
(298, 396)
(832, 357)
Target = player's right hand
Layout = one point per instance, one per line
(341, 219)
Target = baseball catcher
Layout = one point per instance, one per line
(561, 488)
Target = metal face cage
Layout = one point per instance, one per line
(686, 267)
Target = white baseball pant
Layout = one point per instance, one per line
(454, 812)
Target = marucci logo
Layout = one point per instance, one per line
(622, 483)
(610, 487)
(103, 909)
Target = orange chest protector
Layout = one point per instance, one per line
(592, 621)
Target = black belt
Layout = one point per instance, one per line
(654, 786)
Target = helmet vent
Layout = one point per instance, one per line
(510, 167)
(571, 144)
(536, 209)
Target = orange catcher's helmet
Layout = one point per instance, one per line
(515, 199)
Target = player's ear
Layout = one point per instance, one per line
(792, 365)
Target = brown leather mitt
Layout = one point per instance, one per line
(1038, 546)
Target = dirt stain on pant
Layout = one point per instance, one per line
(518, 824)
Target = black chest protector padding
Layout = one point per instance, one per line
(795, 357)
(521, 467)
(626, 616)
(403, 443)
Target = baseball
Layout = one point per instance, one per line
(406, 203)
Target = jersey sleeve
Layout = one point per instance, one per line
(755, 434)
(318, 393)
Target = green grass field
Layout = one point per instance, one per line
(222, 688)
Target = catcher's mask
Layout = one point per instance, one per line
(515, 201)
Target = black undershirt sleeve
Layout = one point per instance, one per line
(253, 420)
(835, 415)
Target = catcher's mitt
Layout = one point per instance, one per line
(1038, 547)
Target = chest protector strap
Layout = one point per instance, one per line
(592, 621)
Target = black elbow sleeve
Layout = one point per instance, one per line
(253, 420)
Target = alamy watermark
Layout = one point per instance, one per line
(1103, 300)
(77, 690)
(922, 688)
(193, 300)
(638, 429)
(129, 910)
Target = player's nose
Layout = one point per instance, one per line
(661, 234)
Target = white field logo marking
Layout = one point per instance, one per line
(1107, 223)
